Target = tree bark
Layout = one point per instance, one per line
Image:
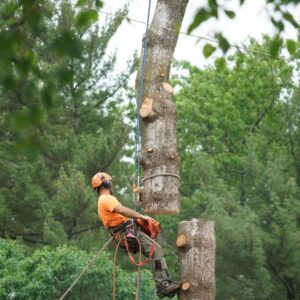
(159, 157)
(196, 244)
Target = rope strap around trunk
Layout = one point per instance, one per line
(161, 174)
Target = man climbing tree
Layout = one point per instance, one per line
(121, 222)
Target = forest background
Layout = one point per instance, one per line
(65, 113)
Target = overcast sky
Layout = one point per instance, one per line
(251, 20)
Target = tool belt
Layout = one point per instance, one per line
(127, 230)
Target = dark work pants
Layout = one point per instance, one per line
(159, 265)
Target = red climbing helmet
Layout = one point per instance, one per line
(99, 178)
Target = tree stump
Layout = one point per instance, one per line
(196, 244)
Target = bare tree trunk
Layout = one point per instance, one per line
(159, 157)
(196, 244)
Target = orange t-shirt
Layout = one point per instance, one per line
(106, 205)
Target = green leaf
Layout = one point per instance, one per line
(208, 50)
(86, 18)
(220, 63)
(10, 8)
(25, 119)
(65, 75)
(278, 24)
(230, 13)
(290, 19)
(275, 46)
(223, 42)
(22, 120)
(47, 95)
(213, 7)
(291, 46)
(81, 3)
(201, 16)
(99, 3)
(28, 146)
(67, 44)
(212, 4)
(9, 81)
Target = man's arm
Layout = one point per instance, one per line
(129, 213)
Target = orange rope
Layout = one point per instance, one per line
(137, 291)
(115, 269)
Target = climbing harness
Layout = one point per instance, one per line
(136, 187)
(128, 231)
(126, 236)
(85, 269)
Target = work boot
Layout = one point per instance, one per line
(167, 288)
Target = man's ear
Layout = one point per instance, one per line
(107, 184)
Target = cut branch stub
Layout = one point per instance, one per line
(146, 108)
(182, 242)
(185, 286)
(168, 87)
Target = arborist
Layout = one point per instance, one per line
(119, 219)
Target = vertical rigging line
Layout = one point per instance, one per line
(139, 98)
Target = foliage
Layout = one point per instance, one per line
(61, 120)
(281, 14)
(48, 272)
(62, 115)
(54, 57)
(238, 132)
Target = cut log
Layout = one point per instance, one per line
(161, 190)
(196, 244)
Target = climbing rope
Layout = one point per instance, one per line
(115, 269)
(137, 292)
(85, 269)
(136, 189)
(137, 181)
(138, 274)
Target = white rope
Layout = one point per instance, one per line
(85, 268)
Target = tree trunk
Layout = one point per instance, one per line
(196, 244)
(159, 157)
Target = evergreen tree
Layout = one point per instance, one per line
(238, 168)
(65, 110)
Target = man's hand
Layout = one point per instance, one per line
(146, 218)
